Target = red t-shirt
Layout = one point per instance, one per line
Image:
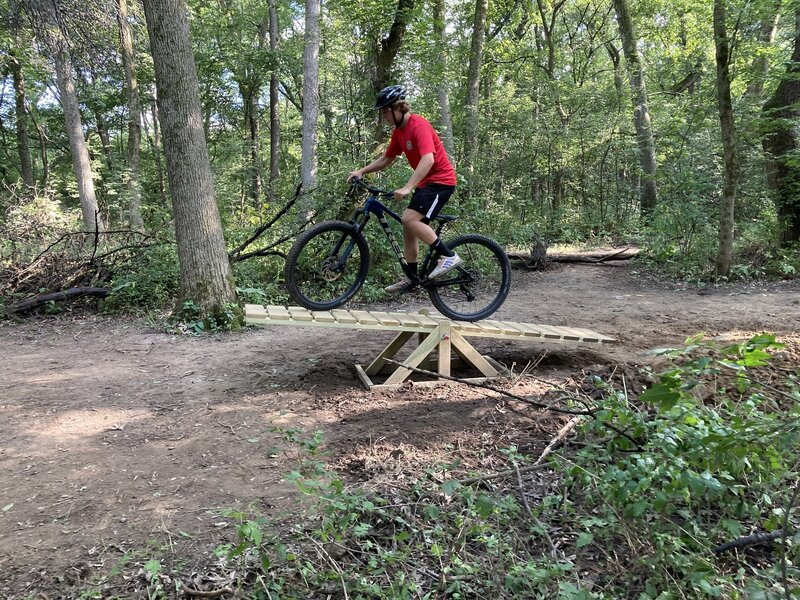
(416, 139)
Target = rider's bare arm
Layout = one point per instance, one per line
(425, 164)
(378, 164)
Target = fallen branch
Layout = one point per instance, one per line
(750, 540)
(43, 299)
(591, 257)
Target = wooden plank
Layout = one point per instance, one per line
(391, 349)
(364, 378)
(426, 320)
(530, 331)
(503, 327)
(386, 318)
(550, 333)
(323, 316)
(363, 317)
(467, 327)
(416, 357)
(566, 334)
(443, 363)
(592, 336)
(278, 313)
(300, 314)
(255, 312)
(343, 316)
(583, 335)
(468, 352)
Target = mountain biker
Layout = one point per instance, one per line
(433, 180)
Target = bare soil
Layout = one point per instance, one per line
(119, 442)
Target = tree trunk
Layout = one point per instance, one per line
(731, 173)
(766, 37)
(308, 160)
(445, 115)
(471, 108)
(155, 147)
(80, 152)
(206, 277)
(21, 118)
(782, 143)
(134, 118)
(390, 45)
(274, 102)
(274, 105)
(641, 115)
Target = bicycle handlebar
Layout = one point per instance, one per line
(360, 183)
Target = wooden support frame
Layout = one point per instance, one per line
(443, 341)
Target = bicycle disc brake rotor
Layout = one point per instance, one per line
(331, 270)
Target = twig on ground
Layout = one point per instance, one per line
(484, 386)
(209, 594)
(559, 437)
(501, 474)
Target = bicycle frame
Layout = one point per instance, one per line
(373, 206)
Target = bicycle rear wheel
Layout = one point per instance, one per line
(478, 287)
(327, 265)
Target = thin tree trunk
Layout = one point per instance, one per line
(206, 277)
(155, 147)
(641, 114)
(274, 102)
(384, 59)
(782, 143)
(471, 108)
(21, 118)
(134, 118)
(445, 115)
(766, 37)
(731, 172)
(80, 152)
(308, 160)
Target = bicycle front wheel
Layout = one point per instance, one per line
(327, 265)
(478, 287)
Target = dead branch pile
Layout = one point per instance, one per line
(76, 264)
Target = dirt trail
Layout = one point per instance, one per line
(116, 438)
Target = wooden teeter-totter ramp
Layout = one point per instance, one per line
(436, 334)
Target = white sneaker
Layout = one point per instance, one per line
(400, 286)
(445, 265)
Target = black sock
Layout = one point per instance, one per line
(439, 247)
(412, 268)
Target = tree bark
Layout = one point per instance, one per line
(206, 277)
(390, 45)
(731, 171)
(766, 37)
(641, 114)
(471, 108)
(134, 118)
(81, 164)
(21, 118)
(445, 115)
(782, 143)
(308, 160)
(274, 102)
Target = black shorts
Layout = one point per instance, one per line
(429, 200)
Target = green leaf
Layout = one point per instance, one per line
(661, 395)
(584, 539)
(450, 486)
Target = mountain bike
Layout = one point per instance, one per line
(328, 264)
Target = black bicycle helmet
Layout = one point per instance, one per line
(389, 95)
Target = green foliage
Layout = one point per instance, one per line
(151, 280)
(707, 455)
(193, 320)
